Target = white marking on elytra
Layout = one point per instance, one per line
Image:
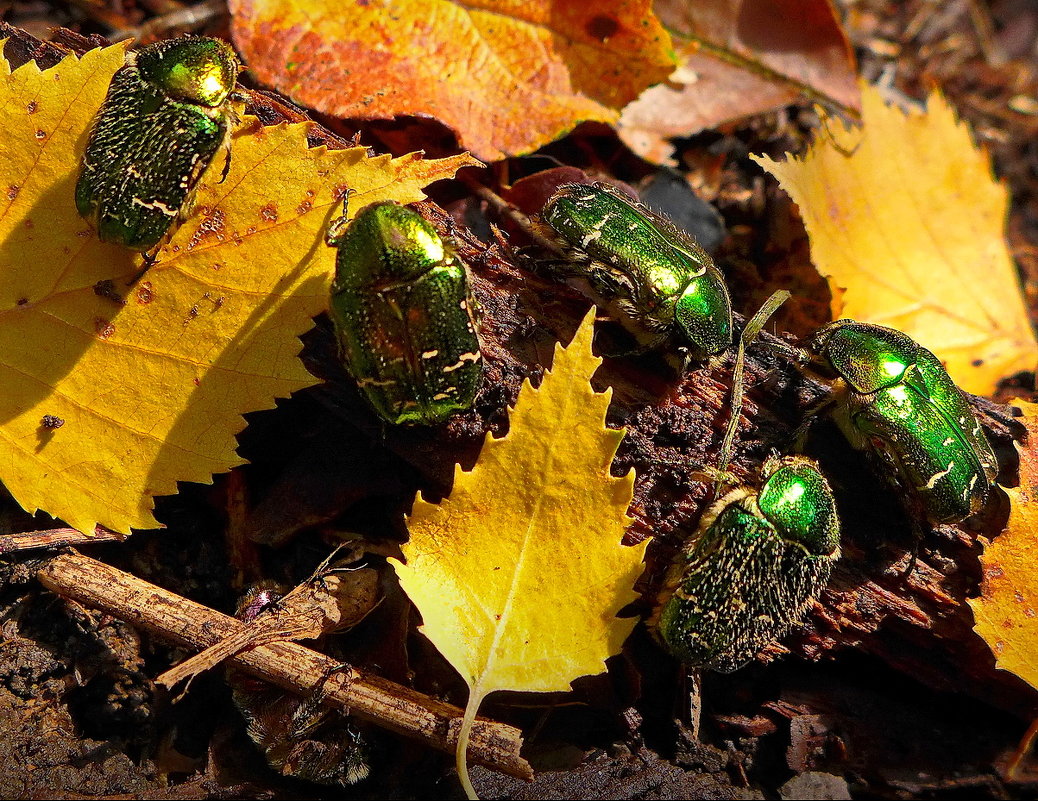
(430, 354)
(596, 231)
(939, 475)
(158, 205)
(465, 357)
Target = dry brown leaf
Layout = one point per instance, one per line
(737, 59)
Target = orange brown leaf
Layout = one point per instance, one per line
(508, 77)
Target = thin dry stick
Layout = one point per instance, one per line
(288, 665)
(56, 538)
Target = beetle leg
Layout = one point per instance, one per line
(539, 233)
(337, 227)
(148, 260)
(226, 166)
(309, 714)
(917, 539)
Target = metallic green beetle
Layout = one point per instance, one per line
(641, 268)
(403, 315)
(754, 566)
(165, 116)
(894, 399)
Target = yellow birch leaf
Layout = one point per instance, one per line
(519, 574)
(905, 215)
(152, 380)
(1006, 612)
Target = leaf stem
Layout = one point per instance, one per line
(476, 696)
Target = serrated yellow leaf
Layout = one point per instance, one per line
(1006, 612)
(152, 390)
(520, 573)
(905, 215)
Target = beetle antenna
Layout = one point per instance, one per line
(749, 333)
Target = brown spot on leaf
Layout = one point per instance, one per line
(269, 213)
(145, 293)
(602, 27)
(41, 134)
(212, 226)
(12, 191)
(103, 328)
(304, 207)
(32, 107)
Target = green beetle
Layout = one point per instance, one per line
(893, 398)
(403, 315)
(165, 116)
(652, 277)
(644, 270)
(754, 566)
